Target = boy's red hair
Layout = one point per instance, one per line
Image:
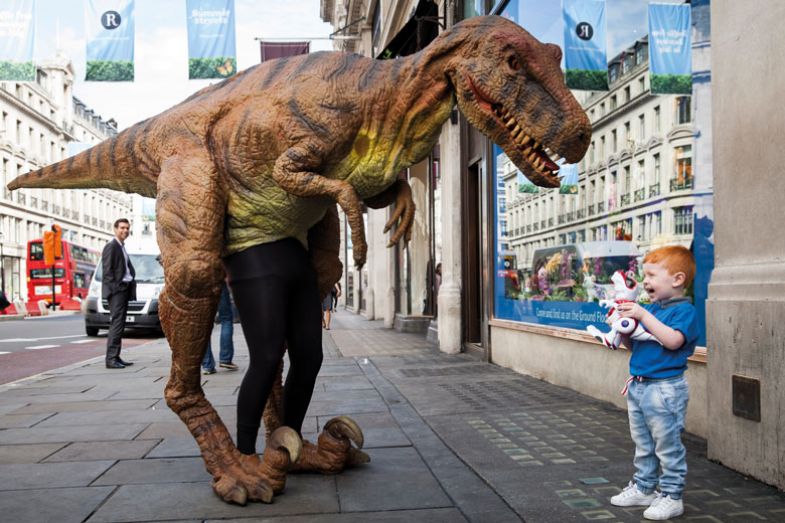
(674, 258)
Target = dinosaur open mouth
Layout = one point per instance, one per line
(541, 159)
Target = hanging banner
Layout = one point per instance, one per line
(568, 173)
(670, 48)
(273, 50)
(211, 39)
(524, 185)
(585, 58)
(109, 25)
(17, 34)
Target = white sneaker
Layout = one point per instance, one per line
(664, 507)
(632, 497)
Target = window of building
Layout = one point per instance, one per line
(614, 141)
(657, 168)
(682, 220)
(627, 94)
(657, 119)
(642, 127)
(641, 85)
(613, 74)
(627, 134)
(640, 54)
(602, 109)
(627, 180)
(683, 109)
(613, 103)
(683, 168)
(602, 148)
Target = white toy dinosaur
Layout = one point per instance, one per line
(626, 289)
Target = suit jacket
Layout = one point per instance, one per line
(113, 267)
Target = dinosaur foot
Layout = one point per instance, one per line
(334, 451)
(249, 478)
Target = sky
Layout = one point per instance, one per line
(161, 50)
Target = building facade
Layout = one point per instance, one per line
(42, 123)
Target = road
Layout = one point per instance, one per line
(34, 345)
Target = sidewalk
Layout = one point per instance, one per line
(450, 438)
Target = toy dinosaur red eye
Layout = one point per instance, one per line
(514, 64)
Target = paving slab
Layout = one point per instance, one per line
(32, 453)
(13, 421)
(85, 406)
(392, 516)
(102, 417)
(149, 471)
(63, 505)
(50, 475)
(303, 495)
(115, 431)
(103, 450)
(398, 473)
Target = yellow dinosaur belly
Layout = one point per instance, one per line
(269, 214)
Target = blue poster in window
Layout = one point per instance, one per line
(568, 172)
(670, 49)
(211, 39)
(585, 57)
(109, 25)
(17, 34)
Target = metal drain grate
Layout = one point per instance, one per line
(507, 393)
(461, 370)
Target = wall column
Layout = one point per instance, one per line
(450, 333)
(746, 306)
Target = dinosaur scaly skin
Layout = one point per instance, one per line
(267, 153)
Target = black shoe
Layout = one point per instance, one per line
(114, 365)
(126, 363)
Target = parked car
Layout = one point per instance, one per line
(142, 312)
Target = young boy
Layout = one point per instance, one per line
(657, 390)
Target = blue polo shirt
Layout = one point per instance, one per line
(652, 360)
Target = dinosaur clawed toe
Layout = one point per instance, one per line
(255, 479)
(334, 451)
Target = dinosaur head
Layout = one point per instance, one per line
(510, 86)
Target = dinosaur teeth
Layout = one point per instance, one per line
(527, 151)
(525, 140)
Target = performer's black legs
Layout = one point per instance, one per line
(275, 292)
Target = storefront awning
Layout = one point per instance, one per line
(416, 33)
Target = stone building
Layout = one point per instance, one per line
(42, 123)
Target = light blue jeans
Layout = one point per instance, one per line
(225, 318)
(656, 410)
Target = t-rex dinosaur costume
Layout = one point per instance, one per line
(267, 153)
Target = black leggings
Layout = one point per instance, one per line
(274, 288)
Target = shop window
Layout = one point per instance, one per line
(564, 266)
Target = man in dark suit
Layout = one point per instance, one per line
(118, 287)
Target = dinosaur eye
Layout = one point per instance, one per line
(514, 64)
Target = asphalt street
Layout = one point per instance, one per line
(34, 345)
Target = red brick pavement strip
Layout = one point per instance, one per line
(23, 364)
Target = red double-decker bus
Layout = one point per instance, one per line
(72, 274)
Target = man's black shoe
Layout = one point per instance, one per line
(126, 363)
(114, 365)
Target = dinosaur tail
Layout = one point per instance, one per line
(111, 164)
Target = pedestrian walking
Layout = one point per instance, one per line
(327, 307)
(118, 287)
(226, 319)
(657, 391)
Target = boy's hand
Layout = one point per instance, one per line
(631, 310)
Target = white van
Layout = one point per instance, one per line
(142, 312)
